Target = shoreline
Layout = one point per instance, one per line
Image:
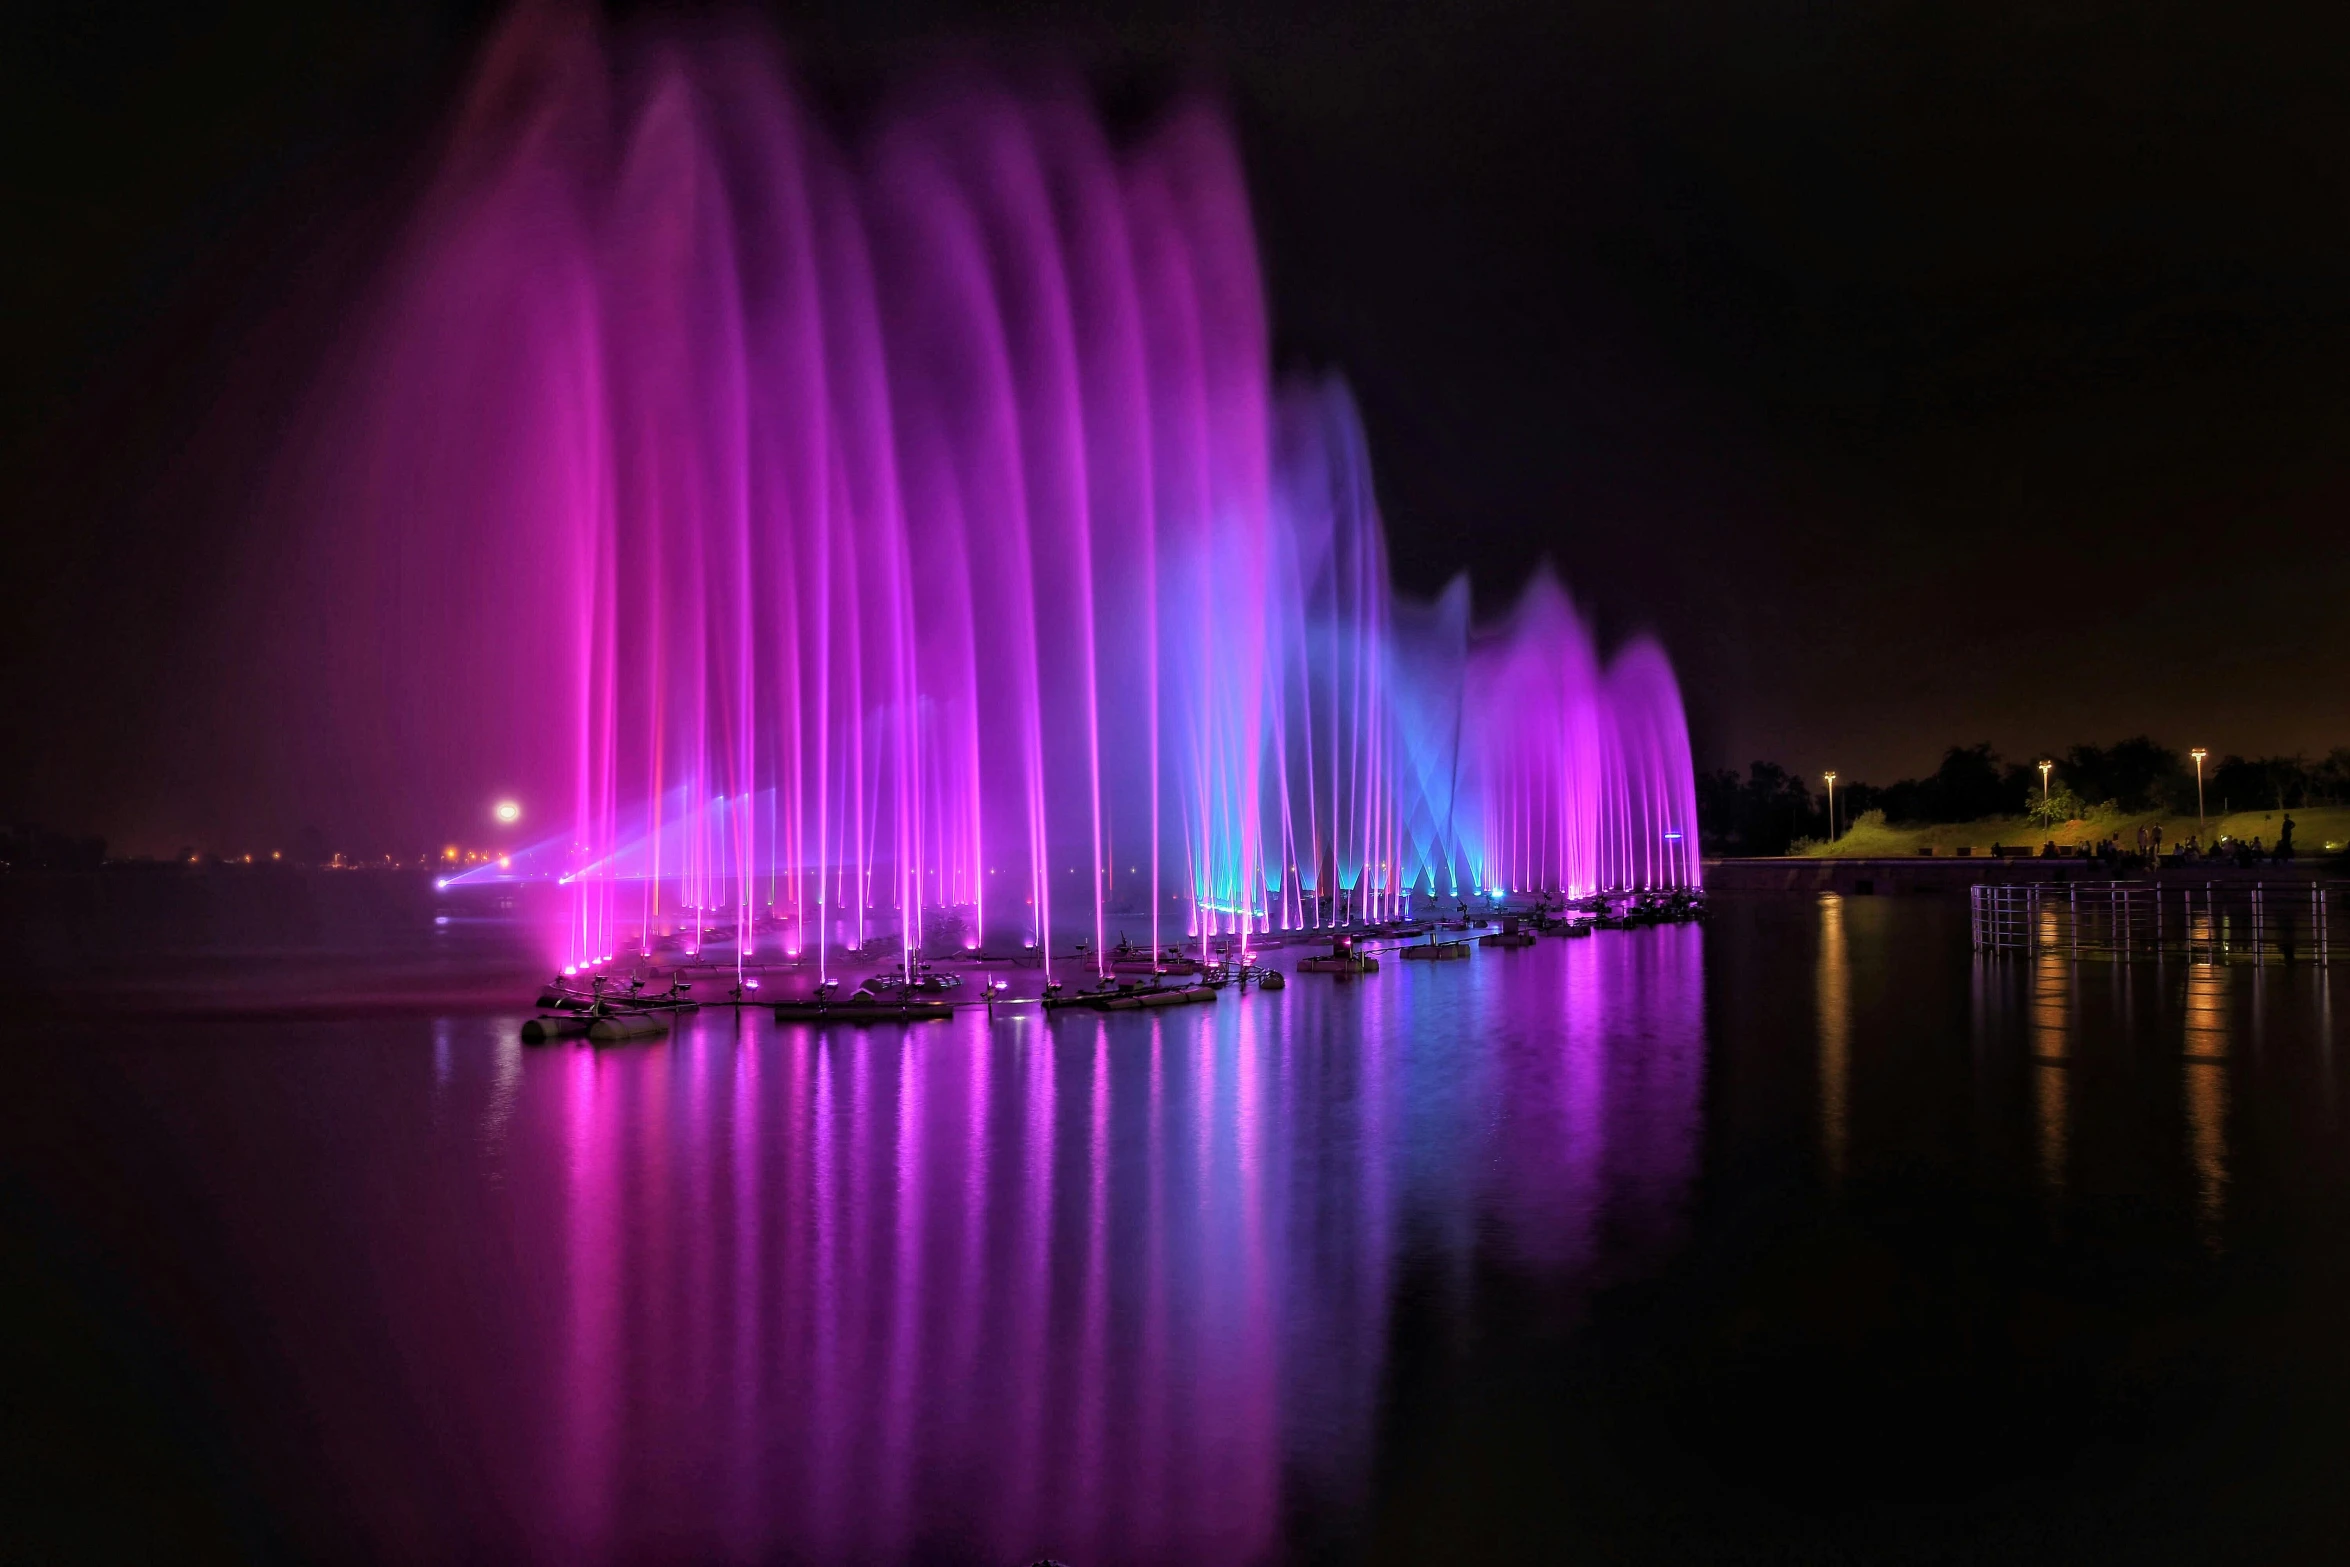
(1902, 874)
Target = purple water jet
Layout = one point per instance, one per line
(903, 542)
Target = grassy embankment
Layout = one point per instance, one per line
(2315, 831)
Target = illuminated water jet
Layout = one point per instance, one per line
(904, 543)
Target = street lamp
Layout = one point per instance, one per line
(2044, 766)
(1831, 807)
(2199, 754)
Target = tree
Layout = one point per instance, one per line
(2056, 809)
(2136, 774)
(1760, 814)
(2329, 780)
(2287, 775)
(2267, 783)
(1969, 785)
(34, 848)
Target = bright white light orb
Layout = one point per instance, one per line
(508, 811)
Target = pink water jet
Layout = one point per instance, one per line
(900, 541)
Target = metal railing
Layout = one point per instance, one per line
(2207, 922)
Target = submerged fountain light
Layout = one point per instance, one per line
(870, 527)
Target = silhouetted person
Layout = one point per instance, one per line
(2285, 841)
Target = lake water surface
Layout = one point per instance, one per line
(1801, 1234)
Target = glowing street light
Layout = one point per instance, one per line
(2199, 754)
(2044, 766)
(508, 812)
(1831, 807)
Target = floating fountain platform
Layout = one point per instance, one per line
(620, 1027)
(1511, 934)
(1341, 959)
(1129, 998)
(863, 1007)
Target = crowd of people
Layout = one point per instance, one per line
(2227, 851)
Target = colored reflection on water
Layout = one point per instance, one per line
(1835, 1014)
(2205, 1064)
(1103, 1286)
(1351, 1271)
(2052, 980)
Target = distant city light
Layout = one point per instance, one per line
(509, 812)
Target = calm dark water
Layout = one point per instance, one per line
(1801, 1236)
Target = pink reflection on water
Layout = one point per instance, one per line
(586, 1429)
(1091, 1432)
(826, 1409)
(902, 1381)
(749, 1154)
(1153, 1444)
(1105, 1288)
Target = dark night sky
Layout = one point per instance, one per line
(1922, 373)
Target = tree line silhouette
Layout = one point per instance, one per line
(1768, 809)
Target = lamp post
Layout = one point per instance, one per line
(2044, 766)
(2199, 754)
(1831, 807)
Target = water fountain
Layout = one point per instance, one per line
(900, 543)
